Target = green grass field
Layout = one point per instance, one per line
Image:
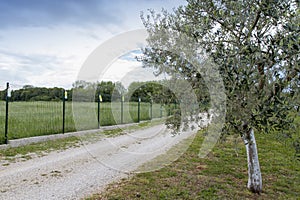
(27, 119)
(221, 175)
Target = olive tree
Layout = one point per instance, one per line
(255, 44)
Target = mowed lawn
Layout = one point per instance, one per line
(221, 175)
(27, 119)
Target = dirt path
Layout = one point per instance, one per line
(79, 172)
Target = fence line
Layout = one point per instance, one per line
(21, 119)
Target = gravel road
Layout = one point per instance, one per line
(79, 172)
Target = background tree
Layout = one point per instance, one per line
(119, 90)
(106, 89)
(2, 95)
(255, 44)
(31, 93)
(155, 91)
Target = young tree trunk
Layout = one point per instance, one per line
(254, 174)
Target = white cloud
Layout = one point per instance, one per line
(119, 69)
(127, 70)
(49, 50)
(45, 54)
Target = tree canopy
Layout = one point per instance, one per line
(154, 91)
(255, 44)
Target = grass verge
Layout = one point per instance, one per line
(42, 148)
(221, 175)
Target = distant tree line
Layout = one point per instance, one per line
(150, 91)
(109, 91)
(31, 93)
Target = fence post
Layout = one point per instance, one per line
(65, 97)
(122, 108)
(139, 110)
(151, 113)
(99, 102)
(8, 94)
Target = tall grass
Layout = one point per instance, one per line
(27, 119)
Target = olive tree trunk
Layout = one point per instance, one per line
(254, 174)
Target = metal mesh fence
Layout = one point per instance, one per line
(36, 118)
(28, 119)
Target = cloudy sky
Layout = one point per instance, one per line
(45, 42)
